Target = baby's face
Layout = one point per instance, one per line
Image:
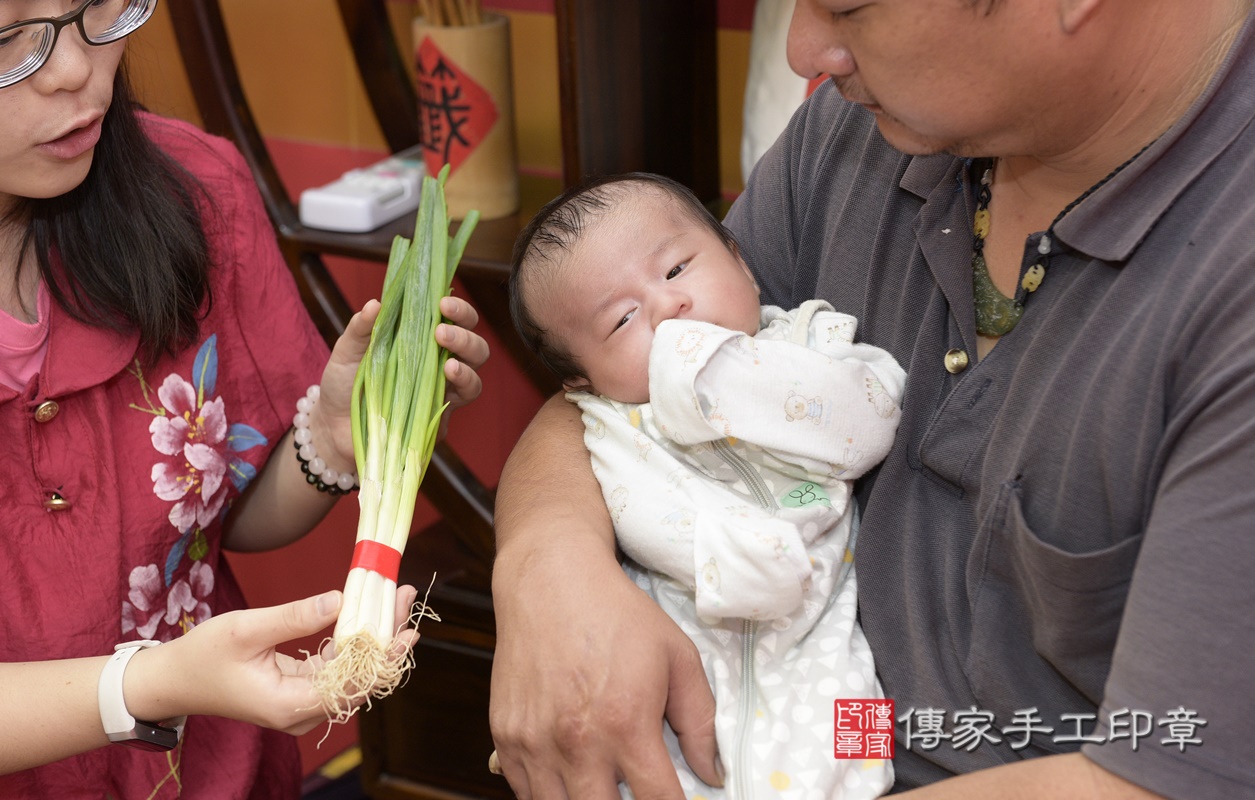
(644, 263)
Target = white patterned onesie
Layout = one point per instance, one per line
(730, 491)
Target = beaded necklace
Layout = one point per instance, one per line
(997, 314)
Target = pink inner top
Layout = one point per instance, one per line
(23, 344)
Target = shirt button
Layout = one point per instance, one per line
(46, 411)
(956, 361)
(56, 502)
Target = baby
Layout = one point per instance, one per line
(725, 436)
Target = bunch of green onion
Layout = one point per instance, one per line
(398, 400)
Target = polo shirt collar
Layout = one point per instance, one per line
(1112, 222)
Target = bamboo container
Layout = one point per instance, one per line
(466, 105)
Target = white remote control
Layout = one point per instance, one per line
(364, 199)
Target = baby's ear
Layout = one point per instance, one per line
(577, 384)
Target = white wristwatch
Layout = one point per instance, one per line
(120, 726)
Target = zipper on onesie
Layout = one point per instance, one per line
(749, 694)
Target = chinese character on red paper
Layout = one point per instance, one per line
(455, 113)
(863, 728)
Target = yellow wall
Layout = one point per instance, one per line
(734, 53)
(302, 84)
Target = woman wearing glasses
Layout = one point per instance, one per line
(152, 352)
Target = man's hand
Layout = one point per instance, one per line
(580, 688)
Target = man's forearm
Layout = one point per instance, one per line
(586, 664)
(547, 485)
(1073, 776)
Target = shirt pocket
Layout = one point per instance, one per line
(1044, 617)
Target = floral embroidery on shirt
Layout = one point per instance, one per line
(199, 451)
(204, 446)
(180, 607)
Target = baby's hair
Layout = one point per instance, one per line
(560, 225)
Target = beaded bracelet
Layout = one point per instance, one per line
(317, 473)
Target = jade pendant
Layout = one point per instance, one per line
(996, 314)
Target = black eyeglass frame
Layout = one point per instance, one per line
(75, 17)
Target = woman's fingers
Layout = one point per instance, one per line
(468, 351)
(332, 414)
(352, 344)
(261, 629)
(234, 669)
(463, 384)
(459, 312)
(462, 344)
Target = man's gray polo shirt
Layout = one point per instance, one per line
(1071, 522)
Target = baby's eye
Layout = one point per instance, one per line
(625, 319)
(847, 13)
(676, 270)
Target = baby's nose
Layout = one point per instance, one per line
(672, 305)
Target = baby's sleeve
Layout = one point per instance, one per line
(829, 405)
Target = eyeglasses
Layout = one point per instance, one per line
(26, 45)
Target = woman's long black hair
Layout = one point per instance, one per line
(129, 238)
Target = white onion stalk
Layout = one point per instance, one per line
(398, 398)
